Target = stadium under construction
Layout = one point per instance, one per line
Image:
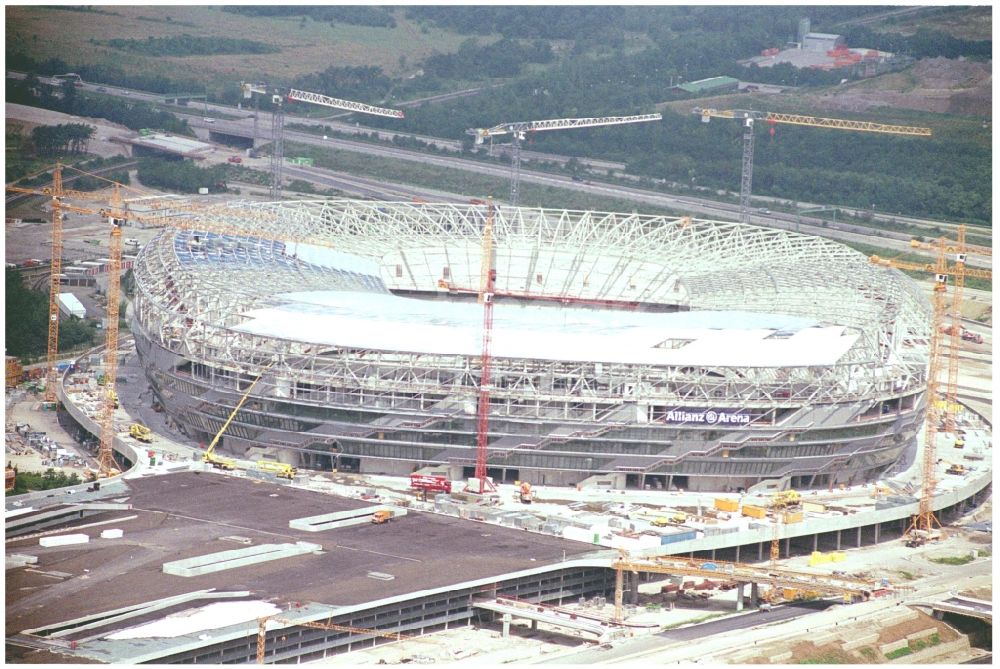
(699, 361)
(650, 351)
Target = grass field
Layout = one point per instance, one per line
(306, 47)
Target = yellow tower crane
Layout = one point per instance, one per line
(748, 117)
(58, 195)
(924, 523)
(960, 250)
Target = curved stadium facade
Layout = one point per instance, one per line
(641, 350)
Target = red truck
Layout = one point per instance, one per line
(430, 483)
(974, 337)
(235, 159)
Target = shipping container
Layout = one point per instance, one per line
(754, 511)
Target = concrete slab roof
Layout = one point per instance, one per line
(187, 514)
(184, 146)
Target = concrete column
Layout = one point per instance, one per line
(713, 553)
(506, 625)
(877, 525)
(838, 540)
(753, 595)
(739, 596)
(859, 536)
(737, 559)
(534, 625)
(760, 551)
(815, 542)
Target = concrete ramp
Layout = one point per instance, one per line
(332, 521)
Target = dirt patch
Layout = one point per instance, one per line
(938, 85)
(806, 652)
(985, 594)
(914, 625)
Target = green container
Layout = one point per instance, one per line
(152, 461)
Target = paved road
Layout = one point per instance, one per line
(634, 648)
(697, 206)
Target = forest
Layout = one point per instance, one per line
(67, 99)
(182, 176)
(575, 61)
(27, 314)
(49, 140)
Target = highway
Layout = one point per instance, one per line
(702, 207)
(682, 205)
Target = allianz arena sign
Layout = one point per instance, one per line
(707, 417)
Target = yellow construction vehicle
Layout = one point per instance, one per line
(676, 518)
(280, 469)
(785, 499)
(209, 456)
(960, 470)
(525, 495)
(381, 516)
(141, 433)
(114, 397)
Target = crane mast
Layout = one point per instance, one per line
(748, 116)
(57, 193)
(105, 458)
(55, 270)
(517, 132)
(486, 294)
(959, 271)
(938, 407)
(278, 120)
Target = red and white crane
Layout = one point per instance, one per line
(278, 120)
(487, 285)
(517, 132)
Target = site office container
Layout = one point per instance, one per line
(754, 511)
(723, 504)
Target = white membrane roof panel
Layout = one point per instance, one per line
(390, 323)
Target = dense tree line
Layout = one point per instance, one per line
(601, 23)
(64, 138)
(355, 83)
(50, 479)
(378, 17)
(26, 331)
(134, 115)
(179, 82)
(925, 43)
(505, 58)
(189, 45)
(181, 175)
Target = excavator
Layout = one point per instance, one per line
(219, 462)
